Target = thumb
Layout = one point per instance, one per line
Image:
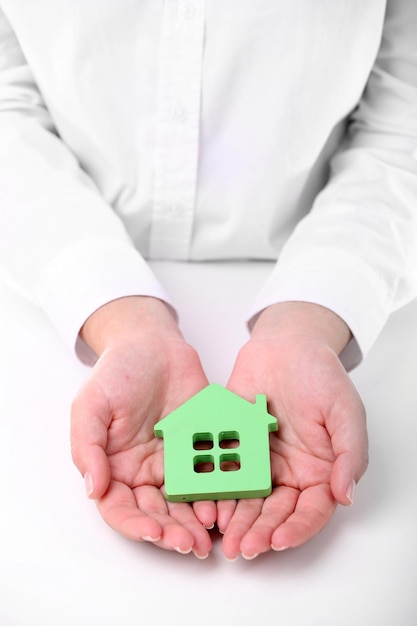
(350, 445)
(90, 419)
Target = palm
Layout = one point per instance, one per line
(114, 415)
(311, 395)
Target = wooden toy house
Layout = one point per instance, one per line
(216, 447)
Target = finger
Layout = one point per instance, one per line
(206, 512)
(246, 512)
(120, 511)
(184, 514)
(177, 532)
(314, 508)
(276, 509)
(89, 426)
(225, 511)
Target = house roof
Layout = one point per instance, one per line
(216, 402)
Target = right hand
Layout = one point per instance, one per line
(144, 371)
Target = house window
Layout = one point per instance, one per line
(229, 439)
(229, 462)
(203, 463)
(224, 461)
(203, 441)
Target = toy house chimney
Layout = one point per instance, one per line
(261, 402)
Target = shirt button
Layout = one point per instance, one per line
(180, 113)
(175, 211)
(187, 10)
(178, 211)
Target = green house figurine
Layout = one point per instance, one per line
(216, 447)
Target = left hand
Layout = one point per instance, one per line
(320, 449)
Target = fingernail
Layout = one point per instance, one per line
(231, 559)
(187, 551)
(209, 527)
(88, 483)
(249, 558)
(201, 556)
(351, 491)
(279, 548)
(151, 539)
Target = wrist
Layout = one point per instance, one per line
(127, 318)
(302, 321)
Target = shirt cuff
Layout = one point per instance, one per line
(86, 276)
(339, 281)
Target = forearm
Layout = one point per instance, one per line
(302, 321)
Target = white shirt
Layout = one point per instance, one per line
(210, 129)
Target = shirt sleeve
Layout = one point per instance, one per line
(61, 244)
(356, 251)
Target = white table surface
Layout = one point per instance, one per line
(61, 565)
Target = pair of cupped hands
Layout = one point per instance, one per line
(145, 369)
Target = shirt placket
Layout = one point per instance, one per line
(178, 125)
